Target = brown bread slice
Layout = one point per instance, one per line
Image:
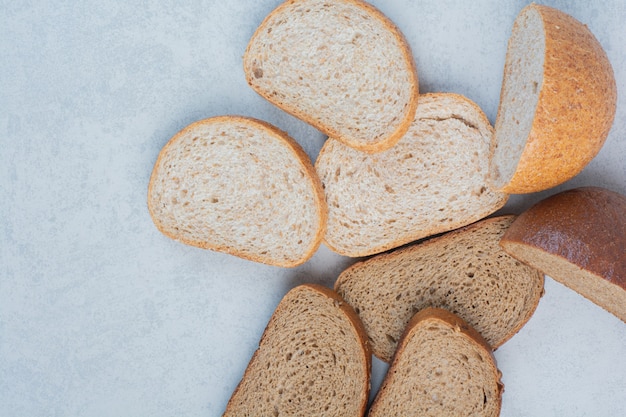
(340, 65)
(557, 103)
(241, 186)
(464, 271)
(313, 360)
(432, 181)
(577, 237)
(443, 367)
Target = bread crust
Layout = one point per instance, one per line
(379, 146)
(299, 154)
(356, 324)
(585, 226)
(576, 105)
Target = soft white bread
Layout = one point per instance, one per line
(557, 102)
(464, 271)
(341, 66)
(312, 360)
(443, 367)
(577, 237)
(433, 180)
(240, 186)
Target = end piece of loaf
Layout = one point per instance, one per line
(464, 271)
(312, 360)
(557, 102)
(434, 180)
(443, 367)
(577, 237)
(341, 66)
(241, 186)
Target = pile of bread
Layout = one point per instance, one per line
(413, 182)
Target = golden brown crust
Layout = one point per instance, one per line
(585, 226)
(297, 151)
(575, 110)
(379, 146)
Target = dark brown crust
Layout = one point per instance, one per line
(576, 106)
(379, 146)
(356, 324)
(585, 226)
(298, 152)
(453, 321)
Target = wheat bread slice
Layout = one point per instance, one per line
(432, 181)
(557, 102)
(341, 66)
(578, 238)
(443, 367)
(313, 360)
(464, 271)
(241, 186)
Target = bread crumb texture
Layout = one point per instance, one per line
(310, 362)
(341, 66)
(433, 180)
(239, 186)
(465, 272)
(440, 369)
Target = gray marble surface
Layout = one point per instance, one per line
(102, 315)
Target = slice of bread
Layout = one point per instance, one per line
(557, 102)
(433, 180)
(577, 237)
(341, 66)
(443, 367)
(241, 186)
(464, 271)
(312, 360)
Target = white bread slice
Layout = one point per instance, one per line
(433, 180)
(464, 271)
(577, 237)
(312, 360)
(557, 102)
(341, 66)
(241, 186)
(443, 367)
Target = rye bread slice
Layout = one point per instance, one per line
(443, 367)
(464, 271)
(313, 360)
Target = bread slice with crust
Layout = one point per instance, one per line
(313, 360)
(577, 237)
(557, 103)
(241, 186)
(340, 65)
(464, 271)
(432, 181)
(443, 367)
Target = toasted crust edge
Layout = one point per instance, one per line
(381, 145)
(300, 155)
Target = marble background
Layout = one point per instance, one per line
(102, 315)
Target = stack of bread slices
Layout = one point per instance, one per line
(412, 182)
